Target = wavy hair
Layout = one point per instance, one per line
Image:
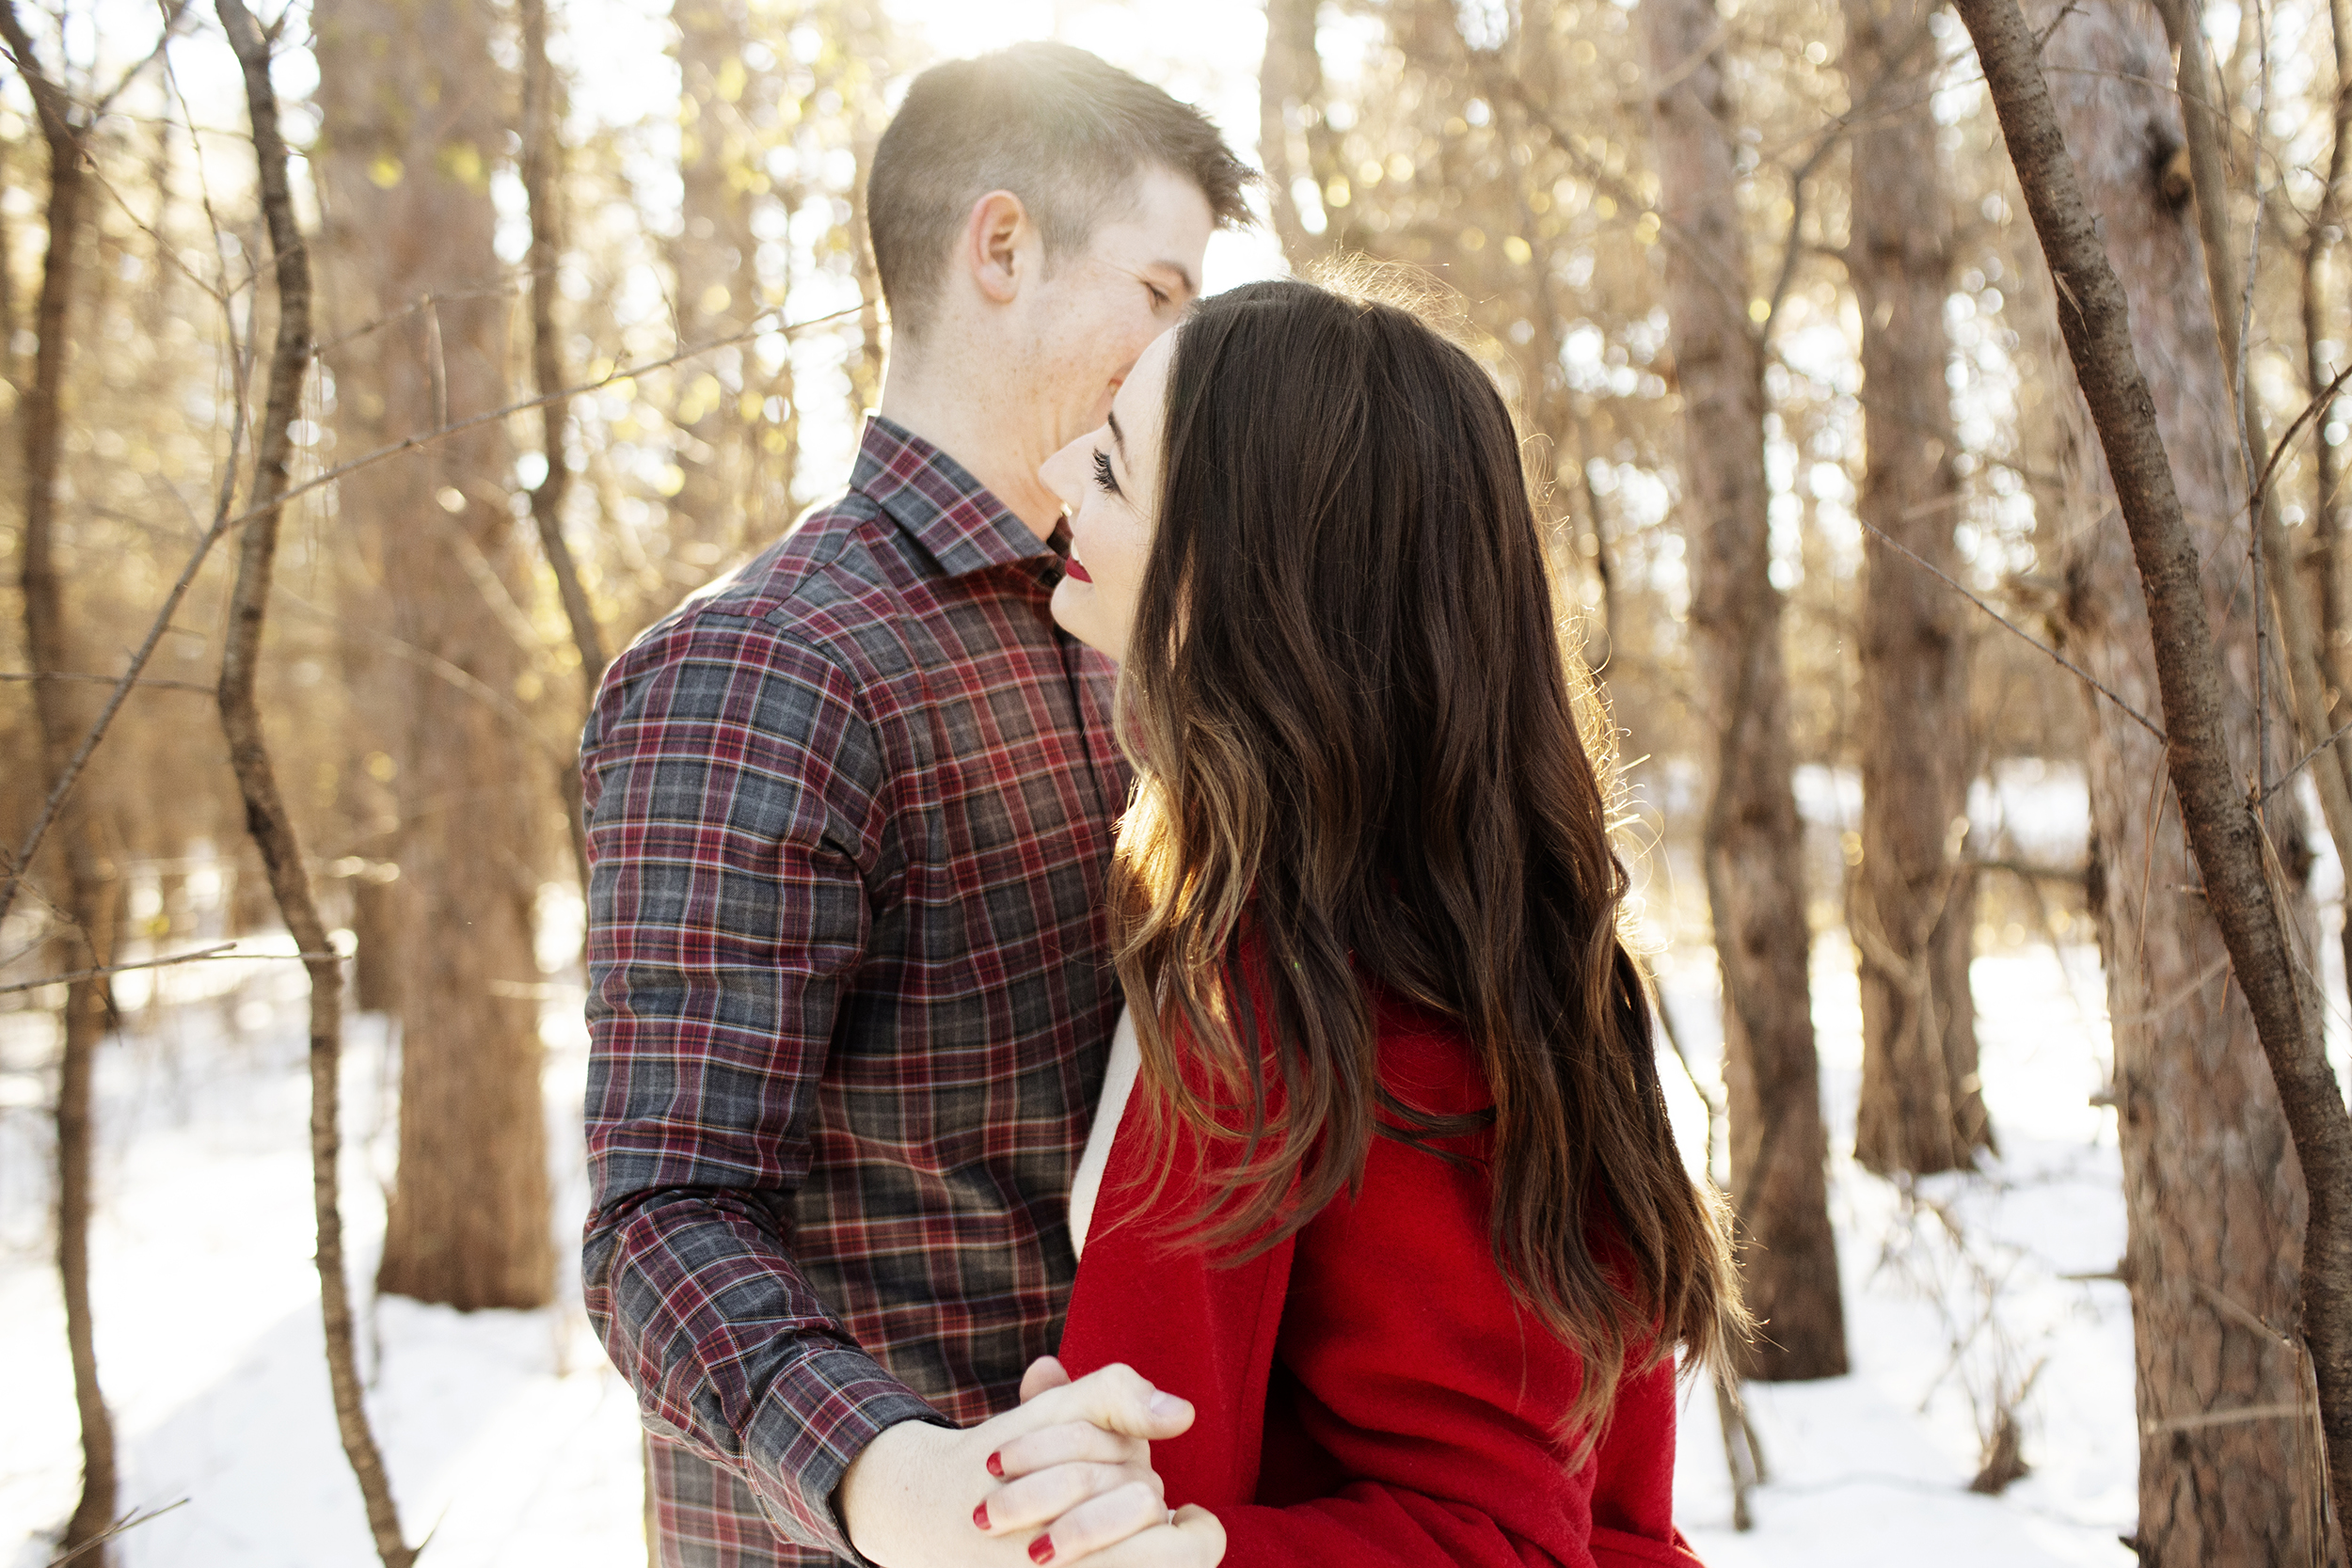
(1358, 763)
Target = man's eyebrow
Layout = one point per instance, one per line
(1117, 434)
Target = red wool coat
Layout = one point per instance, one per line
(1368, 1392)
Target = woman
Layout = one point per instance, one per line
(1394, 1202)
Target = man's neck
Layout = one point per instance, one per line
(990, 438)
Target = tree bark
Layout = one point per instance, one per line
(411, 124)
(62, 711)
(2311, 687)
(865, 370)
(266, 817)
(718, 284)
(1755, 872)
(2215, 1211)
(1290, 81)
(2327, 552)
(1913, 899)
(543, 183)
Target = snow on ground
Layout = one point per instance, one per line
(510, 1438)
(1955, 1294)
(507, 1434)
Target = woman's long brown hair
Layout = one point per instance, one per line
(1359, 764)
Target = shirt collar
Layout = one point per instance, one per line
(936, 500)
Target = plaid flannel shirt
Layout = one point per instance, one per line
(849, 819)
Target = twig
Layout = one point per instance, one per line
(2029, 872)
(173, 12)
(2311, 411)
(99, 680)
(1709, 265)
(213, 951)
(224, 523)
(129, 1521)
(2201, 1418)
(2246, 428)
(1835, 133)
(2134, 713)
(72, 772)
(2284, 779)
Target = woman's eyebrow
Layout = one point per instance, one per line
(1117, 434)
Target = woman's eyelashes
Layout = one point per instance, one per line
(1103, 475)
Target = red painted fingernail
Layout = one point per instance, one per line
(1042, 1549)
(996, 1465)
(979, 1516)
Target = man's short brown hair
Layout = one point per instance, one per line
(1065, 132)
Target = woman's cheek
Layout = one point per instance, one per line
(1068, 605)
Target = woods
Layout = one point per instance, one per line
(1916, 400)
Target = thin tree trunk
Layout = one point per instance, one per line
(266, 817)
(411, 126)
(865, 370)
(1604, 563)
(2311, 653)
(1913, 904)
(59, 707)
(1754, 873)
(2210, 1175)
(543, 168)
(1289, 79)
(2334, 655)
(2327, 553)
(717, 282)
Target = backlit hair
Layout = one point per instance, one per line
(1060, 129)
(1354, 724)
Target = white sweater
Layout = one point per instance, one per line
(1118, 1082)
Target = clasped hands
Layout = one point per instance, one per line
(1065, 1476)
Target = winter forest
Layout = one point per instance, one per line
(1939, 419)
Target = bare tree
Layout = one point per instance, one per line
(543, 183)
(1912, 904)
(64, 709)
(717, 281)
(412, 112)
(266, 817)
(1751, 841)
(2217, 1212)
(865, 369)
(1290, 94)
(2320, 241)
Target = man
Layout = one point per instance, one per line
(848, 821)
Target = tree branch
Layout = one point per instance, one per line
(2089, 679)
(225, 522)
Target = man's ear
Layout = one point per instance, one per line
(994, 237)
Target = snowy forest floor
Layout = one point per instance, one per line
(513, 1442)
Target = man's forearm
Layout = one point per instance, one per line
(725, 1343)
(883, 1493)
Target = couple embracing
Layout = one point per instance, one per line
(1111, 1041)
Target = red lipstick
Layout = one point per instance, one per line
(1073, 567)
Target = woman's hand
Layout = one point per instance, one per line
(918, 1496)
(1070, 1490)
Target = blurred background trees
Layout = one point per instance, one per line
(1752, 272)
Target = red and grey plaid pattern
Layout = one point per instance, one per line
(848, 816)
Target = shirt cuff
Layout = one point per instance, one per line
(819, 1414)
